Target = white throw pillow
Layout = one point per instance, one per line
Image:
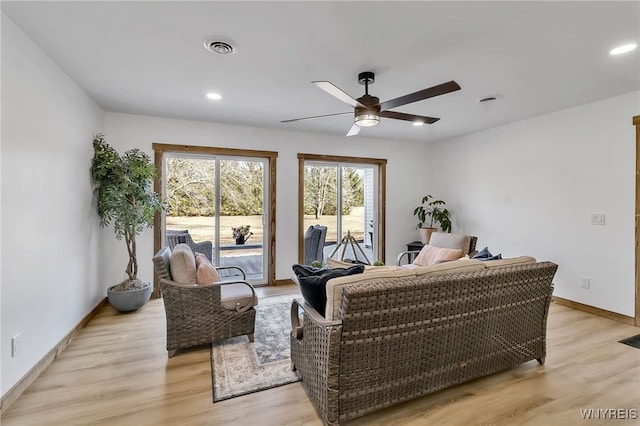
(183, 264)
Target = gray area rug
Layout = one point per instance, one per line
(240, 367)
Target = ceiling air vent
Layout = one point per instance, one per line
(220, 46)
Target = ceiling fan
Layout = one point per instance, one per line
(368, 109)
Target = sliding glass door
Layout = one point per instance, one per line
(220, 202)
(344, 198)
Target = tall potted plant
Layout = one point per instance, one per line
(125, 196)
(433, 210)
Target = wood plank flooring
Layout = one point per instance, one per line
(116, 372)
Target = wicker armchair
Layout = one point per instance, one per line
(204, 313)
(182, 236)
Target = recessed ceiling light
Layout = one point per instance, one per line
(214, 96)
(418, 123)
(623, 49)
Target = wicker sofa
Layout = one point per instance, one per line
(398, 334)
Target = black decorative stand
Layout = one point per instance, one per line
(350, 240)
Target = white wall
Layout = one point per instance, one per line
(126, 131)
(50, 241)
(529, 188)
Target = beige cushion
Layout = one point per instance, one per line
(206, 273)
(510, 261)
(333, 264)
(237, 293)
(454, 267)
(430, 255)
(335, 285)
(183, 264)
(452, 241)
(374, 269)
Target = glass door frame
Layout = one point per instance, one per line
(161, 149)
(379, 236)
(217, 160)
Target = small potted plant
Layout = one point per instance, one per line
(241, 234)
(316, 264)
(433, 210)
(124, 189)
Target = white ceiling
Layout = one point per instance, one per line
(148, 58)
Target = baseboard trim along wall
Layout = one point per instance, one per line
(286, 281)
(17, 389)
(595, 311)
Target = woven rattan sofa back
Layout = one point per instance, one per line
(406, 337)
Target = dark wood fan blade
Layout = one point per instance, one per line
(408, 117)
(316, 116)
(354, 130)
(335, 91)
(438, 90)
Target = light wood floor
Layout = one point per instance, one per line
(116, 372)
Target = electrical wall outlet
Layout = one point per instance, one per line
(597, 218)
(585, 283)
(15, 345)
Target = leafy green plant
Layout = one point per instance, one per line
(125, 196)
(316, 264)
(378, 263)
(433, 210)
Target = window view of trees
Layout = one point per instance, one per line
(320, 190)
(190, 187)
(190, 193)
(321, 200)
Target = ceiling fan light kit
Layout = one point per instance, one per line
(368, 109)
(367, 120)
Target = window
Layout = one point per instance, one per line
(347, 195)
(212, 191)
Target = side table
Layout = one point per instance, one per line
(413, 246)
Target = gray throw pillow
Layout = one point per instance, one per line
(485, 254)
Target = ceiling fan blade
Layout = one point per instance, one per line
(354, 130)
(316, 116)
(420, 95)
(408, 117)
(335, 91)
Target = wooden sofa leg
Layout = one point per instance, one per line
(540, 361)
(250, 336)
